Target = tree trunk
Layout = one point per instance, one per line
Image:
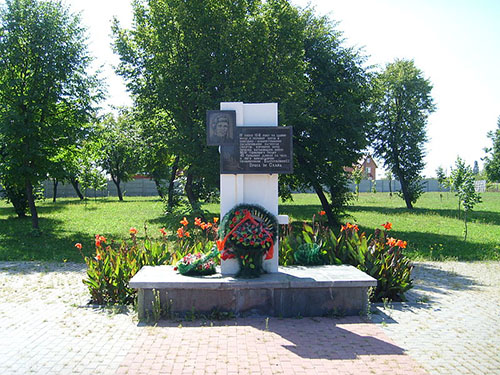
(118, 190)
(171, 183)
(465, 223)
(390, 188)
(158, 187)
(18, 199)
(189, 191)
(324, 203)
(54, 192)
(31, 205)
(74, 182)
(404, 188)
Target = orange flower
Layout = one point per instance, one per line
(180, 232)
(401, 244)
(187, 234)
(216, 219)
(133, 231)
(203, 226)
(343, 228)
(163, 231)
(78, 245)
(197, 221)
(391, 241)
(98, 257)
(387, 226)
(100, 238)
(322, 213)
(220, 245)
(184, 221)
(209, 225)
(355, 227)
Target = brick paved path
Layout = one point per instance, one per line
(44, 331)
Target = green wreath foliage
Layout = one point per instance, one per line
(247, 232)
(267, 221)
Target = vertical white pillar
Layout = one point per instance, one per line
(261, 189)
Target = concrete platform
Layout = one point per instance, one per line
(291, 292)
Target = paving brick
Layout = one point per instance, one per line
(456, 331)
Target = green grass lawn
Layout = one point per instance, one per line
(432, 229)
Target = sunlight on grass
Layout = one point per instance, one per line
(432, 229)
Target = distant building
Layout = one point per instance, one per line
(368, 166)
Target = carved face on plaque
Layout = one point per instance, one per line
(220, 127)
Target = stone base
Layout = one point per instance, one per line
(291, 292)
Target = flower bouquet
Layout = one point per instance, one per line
(248, 233)
(197, 264)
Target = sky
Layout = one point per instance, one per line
(454, 42)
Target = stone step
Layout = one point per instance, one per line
(291, 292)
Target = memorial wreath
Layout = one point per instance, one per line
(248, 233)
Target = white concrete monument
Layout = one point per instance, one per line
(261, 189)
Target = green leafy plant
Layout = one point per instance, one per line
(111, 267)
(379, 256)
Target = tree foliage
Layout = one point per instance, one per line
(331, 125)
(492, 161)
(462, 182)
(183, 58)
(45, 90)
(119, 148)
(402, 105)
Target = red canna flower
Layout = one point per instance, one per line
(321, 213)
(184, 221)
(163, 231)
(401, 244)
(78, 245)
(391, 241)
(216, 219)
(387, 226)
(98, 257)
(187, 234)
(133, 231)
(197, 221)
(180, 232)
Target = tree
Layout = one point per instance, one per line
(442, 180)
(457, 178)
(388, 175)
(475, 169)
(402, 104)
(183, 58)
(467, 195)
(357, 175)
(331, 126)
(45, 91)
(492, 161)
(120, 151)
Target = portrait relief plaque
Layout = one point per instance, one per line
(221, 128)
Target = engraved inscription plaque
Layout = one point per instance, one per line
(259, 150)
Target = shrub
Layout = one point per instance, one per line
(112, 266)
(379, 256)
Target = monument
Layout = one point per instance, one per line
(254, 150)
(251, 161)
